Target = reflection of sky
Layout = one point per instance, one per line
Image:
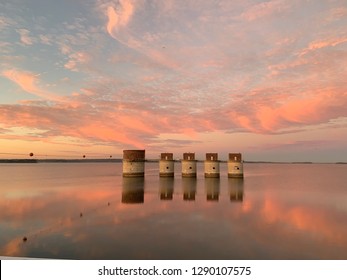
(286, 212)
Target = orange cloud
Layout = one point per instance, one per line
(268, 117)
(106, 133)
(276, 111)
(136, 122)
(24, 79)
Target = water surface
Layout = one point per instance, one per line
(88, 211)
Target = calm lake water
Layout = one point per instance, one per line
(88, 211)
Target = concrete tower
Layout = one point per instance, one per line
(189, 165)
(166, 165)
(211, 165)
(235, 166)
(133, 163)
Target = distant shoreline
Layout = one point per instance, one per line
(147, 160)
(57, 160)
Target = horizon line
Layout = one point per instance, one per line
(35, 160)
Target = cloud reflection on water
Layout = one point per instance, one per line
(259, 217)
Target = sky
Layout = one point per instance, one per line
(267, 79)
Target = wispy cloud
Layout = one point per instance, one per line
(119, 16)
(76, 59)
(29, 83)
(265, 9)
(319, 44)
(25, 37)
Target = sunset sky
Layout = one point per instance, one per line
(264, 78)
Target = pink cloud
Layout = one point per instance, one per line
(120, 16)
(25, 80)
(46, 39)
(312, 108)
(29, 83)
(25, 37)
(336, 14)
(138, 124)
(264, 9)
(105, 132)
(77, 59)
(163, 46)
(219, 82)
(319, 44)
(93, 116)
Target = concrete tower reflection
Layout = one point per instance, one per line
(166, 188)
(189, 188)
(133, 190)
(212, 188)
(235, 189)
